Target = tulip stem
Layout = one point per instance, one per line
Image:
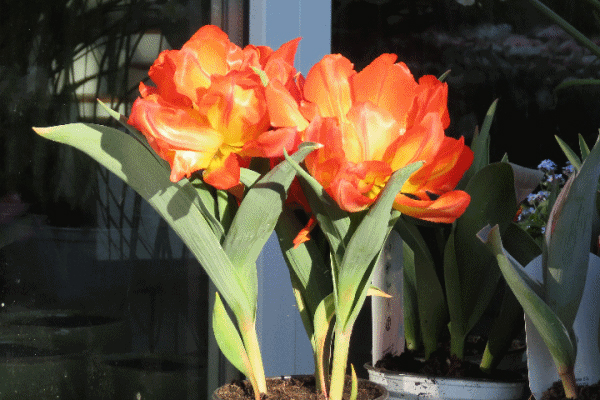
(248, 333)
(569, 384)
(341, 345)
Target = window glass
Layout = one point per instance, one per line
(506, 50)
(79, 250)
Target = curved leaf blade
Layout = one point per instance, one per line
(551, 328)
(130, 161)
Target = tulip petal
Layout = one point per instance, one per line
(387, 85)
(271, 143)
(445, 209)
(224, 172)
(328, 87)
(284, 110)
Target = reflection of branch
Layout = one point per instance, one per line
(570, 29)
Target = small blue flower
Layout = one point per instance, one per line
(547, 166)
(568, 169)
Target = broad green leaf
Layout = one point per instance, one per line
(493, 202)
(203, 191)
(568, 236)
(248, 177)
(135, 165)
(551, 328)
(458, 320)
(583, 148)
(257, 215)
(509, 323)
(229, 339)
(321, 340)
(333, 221)
(364, 247)
(569, 153)
(134, 132)
(470, 272)
(309, 266)
(480, 147)
(425, 310)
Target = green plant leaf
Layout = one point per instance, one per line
(493, 201)
(364, 247)
(552, 330)
(583, 147)
(509, 322)
(425, 310)
(333, 221)
(354, 384)
(480, 147)
(569, 153)
(257, 215)
(229, 339)
(308, 265)
(568, 236)
(130, 161)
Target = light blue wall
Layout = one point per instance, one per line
(274, 22)
(284, 345)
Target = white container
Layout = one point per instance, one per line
(420, 387)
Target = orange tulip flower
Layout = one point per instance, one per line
(208, 109)
(371, 124)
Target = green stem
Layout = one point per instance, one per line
(248, 333)
(341, 345)
(457, 345)
(570, 29)
(569, 384)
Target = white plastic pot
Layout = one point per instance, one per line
(420, 387)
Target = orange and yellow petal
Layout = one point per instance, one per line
(223, 171)
(444, 209)
(387, 85)
(327, 86)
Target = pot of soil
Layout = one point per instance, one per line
(442, 377)
(67, 330)
(29, 372)
(557, 392)
(147, 377)
(300, 387)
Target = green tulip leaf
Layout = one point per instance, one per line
(364, 247)
(552, 330)
(569, 153)
(229, 339)
(480, 147)
(177, 203)
(333, 221)
(257, 215)
(309, 270)
(509, 322)
(471, 275)
(425, 309)
(568, 236)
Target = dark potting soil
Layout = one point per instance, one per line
(296, 388)
(556, 392)
(442, 364)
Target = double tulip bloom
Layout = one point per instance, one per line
(208, 111)
(371, 124)
(216, 105)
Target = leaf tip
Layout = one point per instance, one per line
(41, 131)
